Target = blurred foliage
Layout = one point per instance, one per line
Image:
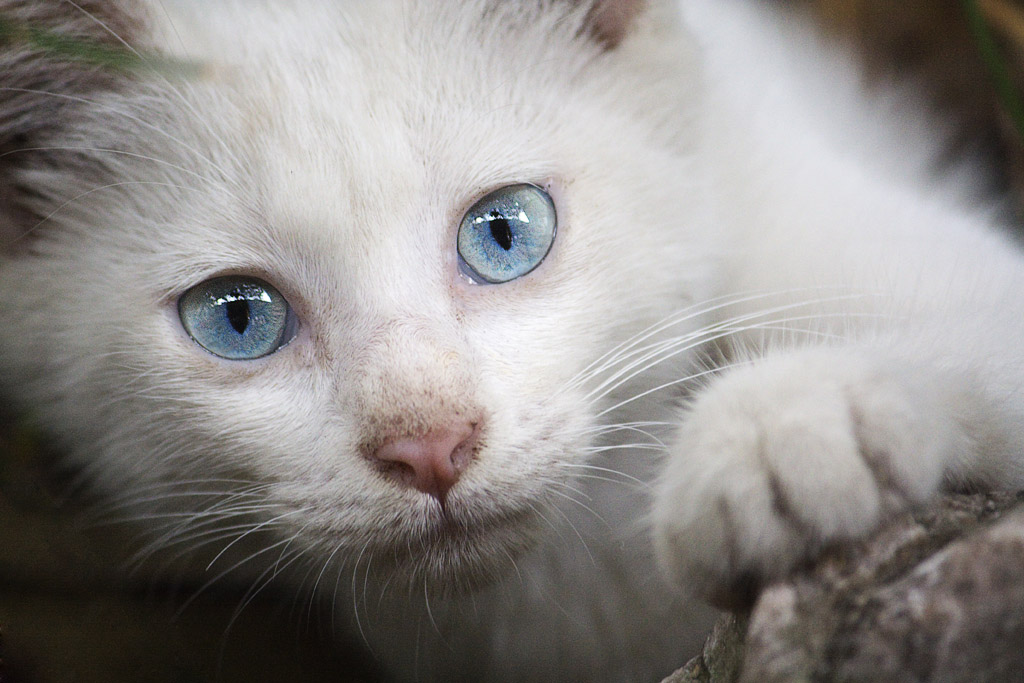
(90, 52)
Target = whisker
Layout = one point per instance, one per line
(100, 188)
(262, 581)
(706, 336)
(624, 446)
(601, 431)
(256, 528)
(227, 571)
(671, 320)
(672, 347)
(627, 348)
(212, 536)
(182, 100)
(127, 502)
(104, 150)
(355, 594)
(572, 526)
(316, 584)
(618, 473)
(130, 117)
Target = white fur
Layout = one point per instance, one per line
(332, 149)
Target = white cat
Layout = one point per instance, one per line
(400, 300)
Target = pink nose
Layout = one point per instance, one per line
(431, 463)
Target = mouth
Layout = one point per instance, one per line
(460, 550)
(448, 550)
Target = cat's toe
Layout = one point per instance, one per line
(778, 459)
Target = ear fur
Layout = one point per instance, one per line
(43, 90)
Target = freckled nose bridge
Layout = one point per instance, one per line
(412, 353)
(422, 421)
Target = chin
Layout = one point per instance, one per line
(451, 551)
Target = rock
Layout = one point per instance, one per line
(937, 595)
(721, 657)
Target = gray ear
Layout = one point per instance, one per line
(54, 57)
(609, 21)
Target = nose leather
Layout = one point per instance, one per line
(433, 462)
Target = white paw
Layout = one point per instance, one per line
(778, 458)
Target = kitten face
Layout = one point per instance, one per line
(334, 156)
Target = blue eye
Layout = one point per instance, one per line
(239, 318)
(508, 233)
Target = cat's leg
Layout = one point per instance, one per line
(814, 439)
(801, 448)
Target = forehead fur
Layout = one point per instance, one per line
(379, 137)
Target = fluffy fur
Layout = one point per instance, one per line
(735, 226)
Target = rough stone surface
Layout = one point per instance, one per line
(934, 596)
(721, 657)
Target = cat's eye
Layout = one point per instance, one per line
(507, 234)
(237, 317)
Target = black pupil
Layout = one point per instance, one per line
(238, 315)
(501, 231)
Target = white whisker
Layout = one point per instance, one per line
(130, 117)
(706, 336)
(670, 348)
(182, 100)
(104, 150)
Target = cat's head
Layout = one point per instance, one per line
(348, 272)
